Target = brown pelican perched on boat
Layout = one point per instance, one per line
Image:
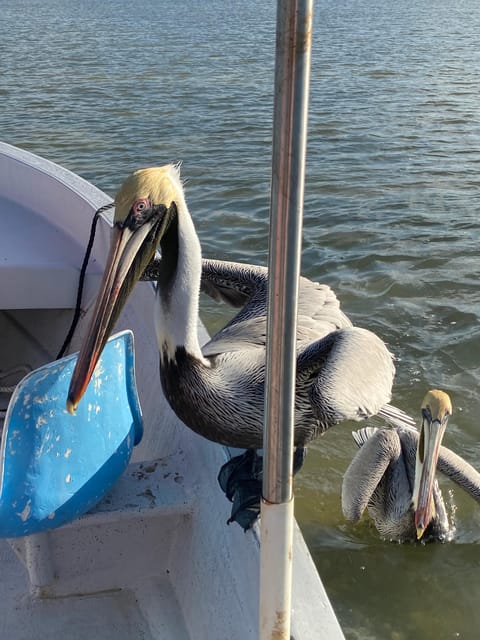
(393, 476)
(343, 372)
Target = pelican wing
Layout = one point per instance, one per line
(242, 336)
(354, 374)
(367, 469)
(460, 471)
(230, 282)
(247, 285)
(396, 417)
(235, 283)
(238, 284)
(361, 436)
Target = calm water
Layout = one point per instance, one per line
(391, 220)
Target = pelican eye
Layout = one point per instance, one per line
(141, 205)
(140, 212)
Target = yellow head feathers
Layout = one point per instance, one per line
(439, 404)
(161, 185)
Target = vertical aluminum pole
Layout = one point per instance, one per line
(292, 73)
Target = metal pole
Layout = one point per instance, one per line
(292, 73)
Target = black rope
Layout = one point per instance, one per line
(81, 281)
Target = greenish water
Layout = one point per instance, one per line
(391, 213)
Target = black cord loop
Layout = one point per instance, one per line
(81, 281)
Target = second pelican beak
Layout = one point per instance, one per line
(436, 409)
(133, 245)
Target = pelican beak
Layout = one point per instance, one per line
(133, 245)
(430, 438)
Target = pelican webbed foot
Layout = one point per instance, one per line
(241, 480)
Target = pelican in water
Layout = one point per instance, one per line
(343, 372)
(393, 476)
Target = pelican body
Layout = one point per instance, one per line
(393, 476)
(343, 372)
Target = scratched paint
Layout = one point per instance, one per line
(41, 420)
(25, 514)
(40, 430)
(97, 384)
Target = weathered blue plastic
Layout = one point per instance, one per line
(55, 466)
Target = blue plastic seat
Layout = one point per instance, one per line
(55, 466)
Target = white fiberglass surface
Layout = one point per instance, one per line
(39, 263)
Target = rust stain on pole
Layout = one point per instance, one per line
(280, 629)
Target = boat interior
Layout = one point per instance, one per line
(154, 558)
(134, 566)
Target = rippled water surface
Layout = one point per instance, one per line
(391, 217)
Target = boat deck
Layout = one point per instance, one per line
(148, 563)
(108, 575)
(112, 615)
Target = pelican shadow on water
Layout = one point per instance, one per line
(343, 372)
(393, 476)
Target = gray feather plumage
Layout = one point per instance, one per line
(380, 478)
(343, 372)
